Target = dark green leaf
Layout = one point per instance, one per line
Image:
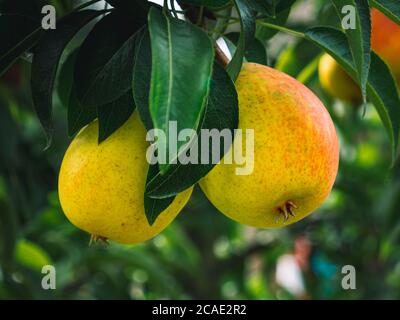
(142, 78)
(17, 34)
(221, 113)
(79, 115)
(153, 207)
(381, 87)
(182, 60)
(206, 3)
(248, 29)
(359, 38)
(391, 8)
(115, 77)
(267, 7)
(283, 5)
(112, 89)
(114, 114)
(282, 14)
(256, 52)
(45, 62)
(102, 43)
(65, 78)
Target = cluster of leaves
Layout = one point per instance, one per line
(140, 55)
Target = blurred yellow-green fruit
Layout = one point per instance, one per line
(101, 187)
(385, 41)
(296, 153)
(31, 255)
(336, 81)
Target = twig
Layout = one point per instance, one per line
(283, 29)
(200, 16)
(220, 56)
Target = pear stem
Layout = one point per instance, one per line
(95, 239)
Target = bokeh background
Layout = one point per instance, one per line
(202, 254)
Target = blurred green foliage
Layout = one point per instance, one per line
(202, 254)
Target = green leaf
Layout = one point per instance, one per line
(182, 60)
(114, 114)
(142, 78)
(267, 7)
(24, 35)
(111, 90)
(284, 5)
(114, 78)
(256, 52)
(79, 115)
(282, 14)
(248, 29)
(102, 43)
(206, 3)
(65, 78)
(391, 8)
(221, 113)
(154, 207)
(45, 62)
(359, 38)
(381, 86)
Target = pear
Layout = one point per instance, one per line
(385, 41)
(101, 186)
(337, 82)
(296, 153)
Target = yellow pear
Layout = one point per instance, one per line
(385, 41)
(101, 187)
(336, 81)
(296, 153)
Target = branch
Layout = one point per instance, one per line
(220, 56)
